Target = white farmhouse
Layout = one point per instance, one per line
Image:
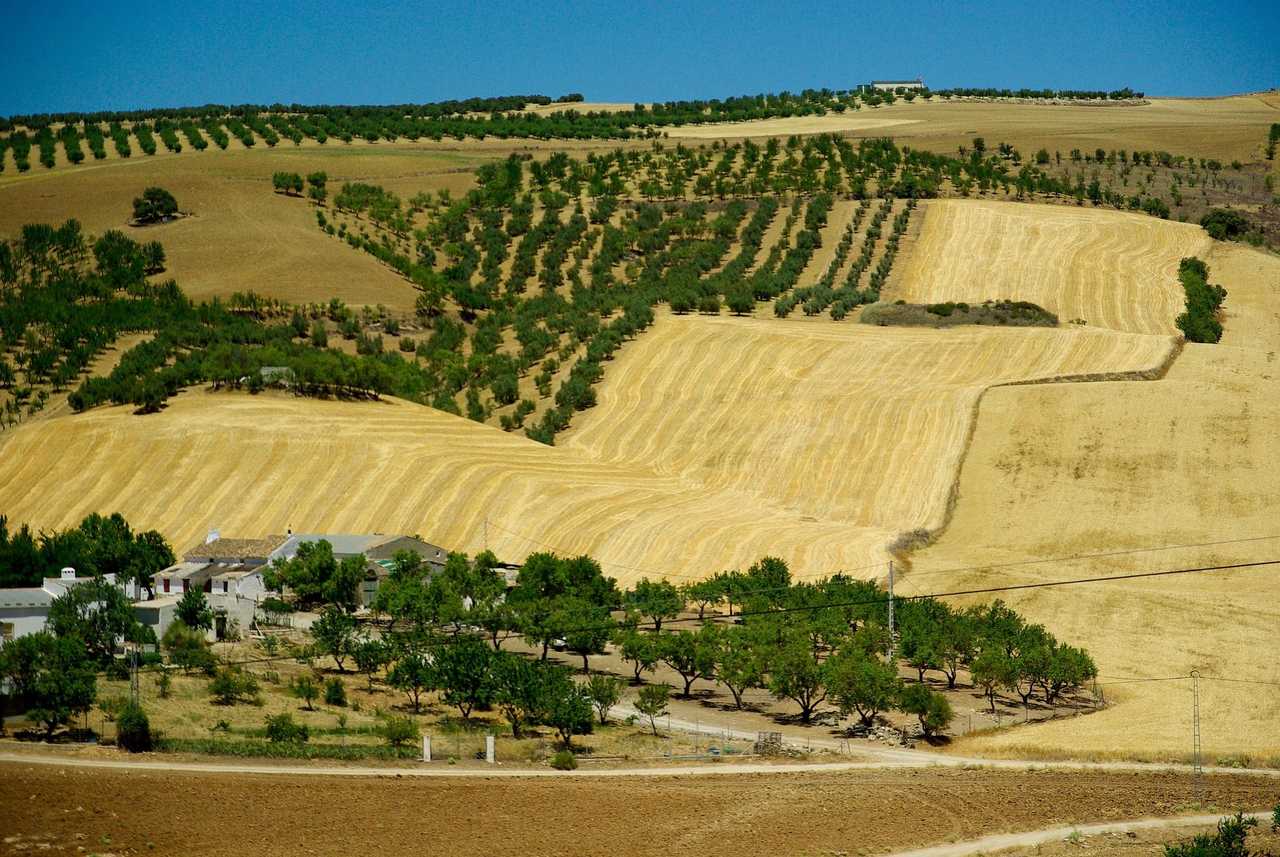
(25, 610)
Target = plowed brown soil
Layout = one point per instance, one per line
(134, 812)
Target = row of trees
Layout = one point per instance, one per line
(809, 643)
(1199, 322)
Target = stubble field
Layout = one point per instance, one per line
(737, 446)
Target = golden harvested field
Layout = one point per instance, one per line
(1113, 269)
(833, 123)
(1061, 470)
(847, 423)
(1223, 128)
(242, 237)
(728, 480)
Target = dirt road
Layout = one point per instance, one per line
(1004, 841)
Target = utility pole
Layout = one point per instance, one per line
(1197, 771)
(133, 673)
(891, 640)
(486, 533)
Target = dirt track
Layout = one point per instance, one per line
(128, 812)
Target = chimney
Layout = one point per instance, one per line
(68, 573)
(213, 536)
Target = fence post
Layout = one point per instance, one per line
(489, 755)
(426, 748)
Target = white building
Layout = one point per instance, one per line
(895, 85)
(25, 610)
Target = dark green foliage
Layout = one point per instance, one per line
(133, 729)
(335, 692)
(96, 614)
(334, 633)
(1200, 320)
(283, 729)
(1228, 841)
(399, 731)
(652, 703)
(231, 685)
(931, 708)
(193, 610)
(97, 546)
(314, 576)
(1223, 224)
(155, 204)
(564, 760)
(52, 674)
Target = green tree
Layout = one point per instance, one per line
(930, 708)
(334, 633)
(314, 576)
(705, 593)
(652, 703)
(370, 656)
(604, 691)
(305, 688)
(53, 674)
(462, 673)
(992, 669)
(568, 705)
(585, 628)
(796, 674)
(639, 649)
(154, 205)
(657, 600)
(738, 661)
(519, 690)
(691, 654)
(231, 685)
(133, 729)
(188, 648)
(862, 683)
(193, 610)
(97, 613)
(413, 674)
(335, 692)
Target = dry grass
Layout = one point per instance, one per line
(1061, 470)
(243, 237)
(757, 459)
(1112, 269)
(1223, 128)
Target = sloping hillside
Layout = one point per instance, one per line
(1110, 268)
(747, 438)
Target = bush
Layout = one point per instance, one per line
(281, 729)
(154, 205)
(133, 729)
(399, 731)
(231, 685)
(335, 692)
(563, 760)
(1223, 224)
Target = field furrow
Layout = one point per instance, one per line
(1112, 269)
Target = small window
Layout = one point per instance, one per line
(166, 584)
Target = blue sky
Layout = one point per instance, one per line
(72, 55)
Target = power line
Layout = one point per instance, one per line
(1100, 555)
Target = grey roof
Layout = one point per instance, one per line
(179, 570)
(344, 544)
(25, 597)
(238, 548)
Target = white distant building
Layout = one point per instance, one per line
(895, 85)
(25, 610)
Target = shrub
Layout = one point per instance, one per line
(231, 685)
(563, 760)
(398, 731)
(133, 729)
(282, 729)
(304, 687)
(335, 692)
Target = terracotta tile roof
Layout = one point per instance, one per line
(237, 548)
